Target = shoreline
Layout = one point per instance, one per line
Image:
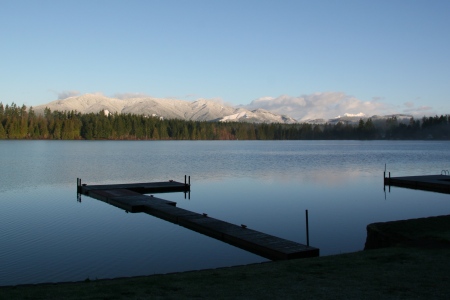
(417, 247)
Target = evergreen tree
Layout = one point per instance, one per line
(155, 134)
(43, 128)
(56, 129)
(2, 111)
(2, 132)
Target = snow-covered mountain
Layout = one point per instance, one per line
(257, 116)
(354, 119)
(200, 110)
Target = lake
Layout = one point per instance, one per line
(48, 236)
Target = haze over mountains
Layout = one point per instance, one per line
(199, 110)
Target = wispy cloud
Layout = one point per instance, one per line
(66, 94)
(410, 108)
(409, 104)
(190, 96)
(320, 105)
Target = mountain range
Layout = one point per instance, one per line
(199, 110)
(354, 119)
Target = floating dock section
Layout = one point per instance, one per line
(434, 183)
(129, 197)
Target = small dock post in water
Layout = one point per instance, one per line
(131, 198)
(307, 228)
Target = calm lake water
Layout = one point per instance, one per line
(47, 236)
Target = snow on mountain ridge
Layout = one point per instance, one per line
(355, 118)
(361, 114)
(199, 110)
(258, 116)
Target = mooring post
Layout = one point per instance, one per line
(78, 189)
(184, 179)
(78, 185)
(189, 180)
(307, 229)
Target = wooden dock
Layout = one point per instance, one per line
(434, 183)
(142, 188)
(129, 197)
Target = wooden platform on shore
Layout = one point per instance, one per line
(129, 197)
(434, 183)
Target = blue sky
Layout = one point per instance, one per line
(305, 58)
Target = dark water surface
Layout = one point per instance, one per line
(47, 236)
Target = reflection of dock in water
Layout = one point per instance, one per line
(434, 183)
(129, 197)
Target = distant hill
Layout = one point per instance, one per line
(200, 110)
(354, 119)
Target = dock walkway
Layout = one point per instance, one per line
(129, 197)
(142, 188)
(434, 183)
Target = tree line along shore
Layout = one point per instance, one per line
(20, 122)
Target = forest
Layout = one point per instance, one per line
(20, 122)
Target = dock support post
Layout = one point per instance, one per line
(187, 186)
(307, 228)
(78, 189)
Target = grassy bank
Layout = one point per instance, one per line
(400, 272)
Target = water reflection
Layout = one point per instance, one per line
(267, 186)
(36, 163)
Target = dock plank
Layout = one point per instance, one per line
(127, 200)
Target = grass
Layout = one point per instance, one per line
(401, 272)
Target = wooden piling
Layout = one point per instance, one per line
(307, 228)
